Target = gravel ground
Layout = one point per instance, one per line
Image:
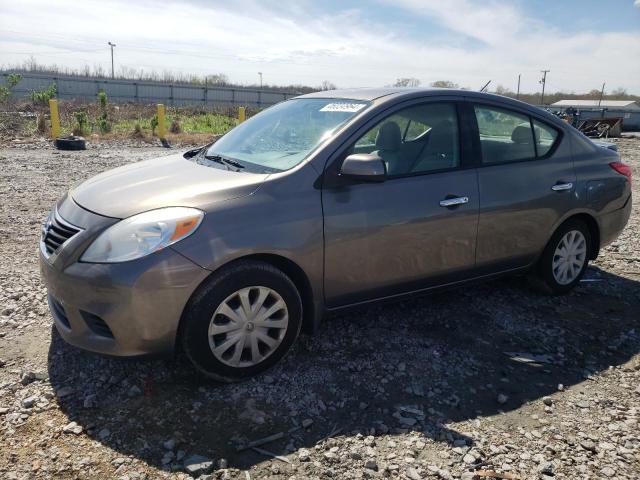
(489, 381)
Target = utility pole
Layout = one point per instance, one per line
(112, 70)
(601, 95)
(543, 81)
(260, 73)
(518, 91)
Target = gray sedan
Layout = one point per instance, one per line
(321, 203)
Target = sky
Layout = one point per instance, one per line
(349, 43)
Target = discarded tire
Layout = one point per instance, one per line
(71, 143)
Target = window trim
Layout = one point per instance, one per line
(477, 142)
(465, 161)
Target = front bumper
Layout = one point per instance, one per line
(123, 309)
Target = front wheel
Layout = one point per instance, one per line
(565, 258)
(242, 321)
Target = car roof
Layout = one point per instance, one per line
(396, 93)
(366, 93)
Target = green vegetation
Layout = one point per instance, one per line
(5, 90)
(103, 120)
(82, 127)
(42, 97)
(212, 123)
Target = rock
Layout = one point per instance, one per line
(72, 427)
(223, 463)
(588, 445)
(27, 378)
(370, 441)
(412, 474)
(608, 472)
(582, 403)
(64, 392)
(104, 433)
(29, 401)
(502, 398)
(303, 455)
(371, 465)
(268, 379)
(197, 465)
(134, 391)
(167, 457)
(547, 401)
(90, 401)
(169, 444)
(306, 422)
(469, 459)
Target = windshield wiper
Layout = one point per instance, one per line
(223, 160)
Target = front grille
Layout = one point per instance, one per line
(56, 232)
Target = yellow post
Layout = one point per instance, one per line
(161, 125)
(242, 114)
(55, 118)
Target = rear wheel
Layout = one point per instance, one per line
(243, 321)
(565, 258)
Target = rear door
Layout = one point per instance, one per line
(526, 184)
(416, 229)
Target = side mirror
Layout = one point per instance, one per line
(365, 167)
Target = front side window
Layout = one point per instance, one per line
(281, 137)
(418, 139)
(505, 136)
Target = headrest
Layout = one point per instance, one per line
(389, 137)
(521, 134)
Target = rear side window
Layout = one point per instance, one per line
(545, 137)
(504, 136)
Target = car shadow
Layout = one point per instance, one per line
(416, 366)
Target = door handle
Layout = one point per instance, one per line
(452, 202)
(559, 187)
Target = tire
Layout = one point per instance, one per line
(547, 275)
(71, 143)
(224, 289)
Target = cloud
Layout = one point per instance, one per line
(302, 42)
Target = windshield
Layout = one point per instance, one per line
(280, 137)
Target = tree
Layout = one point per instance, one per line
(12, 80)
(620, 93)
(327, 85)
(407, 82)
(500, 90)
(444, 84)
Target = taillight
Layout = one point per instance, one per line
(622, 168)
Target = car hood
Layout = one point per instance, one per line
(171, 181)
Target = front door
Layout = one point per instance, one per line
(417, 228)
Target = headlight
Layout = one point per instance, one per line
(143, 234)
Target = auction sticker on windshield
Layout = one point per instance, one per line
(343, 107)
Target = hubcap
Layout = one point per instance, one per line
(248, 326)
(569, 257)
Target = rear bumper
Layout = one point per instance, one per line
(126, 309)
(612, 223)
